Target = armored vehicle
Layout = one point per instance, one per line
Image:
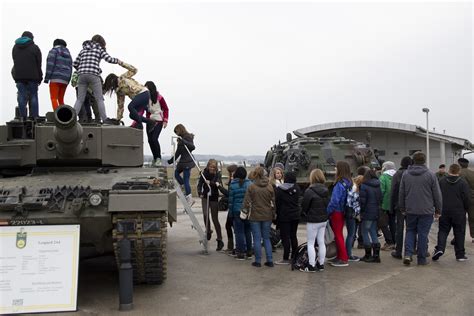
(57, 171)
(304, 154)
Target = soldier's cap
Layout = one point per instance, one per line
(463, 160)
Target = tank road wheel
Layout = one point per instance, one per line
(147, 233)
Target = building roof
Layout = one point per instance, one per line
(383, 125)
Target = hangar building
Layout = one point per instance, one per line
(392, 141)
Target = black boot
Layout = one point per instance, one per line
(376, 248)
(230, 244)
(368, 254)
(220, 245)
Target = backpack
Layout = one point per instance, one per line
(351, 207)
(301, 259)
(275, 238)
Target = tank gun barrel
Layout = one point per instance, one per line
(67, 132)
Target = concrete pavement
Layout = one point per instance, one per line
(217, 284)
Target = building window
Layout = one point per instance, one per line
(412, 151)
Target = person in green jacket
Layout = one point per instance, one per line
(387, 219)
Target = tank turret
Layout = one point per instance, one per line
(67, 132)
(58, 140)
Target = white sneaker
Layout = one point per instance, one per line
(190, 200)
(156, 163)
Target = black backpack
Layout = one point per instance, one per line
(301, 260)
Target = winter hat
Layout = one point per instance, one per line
(388, 165)
(279, 165)
(290, 177)
(59, 41)
(463, 162)
(27, 34)
(406, 161)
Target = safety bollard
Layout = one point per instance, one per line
(125, 276)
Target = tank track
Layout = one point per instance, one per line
(147, 233)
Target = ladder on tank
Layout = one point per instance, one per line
(187, 208)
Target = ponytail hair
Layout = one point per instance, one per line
(150, 85)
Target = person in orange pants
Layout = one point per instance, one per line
(57, 91)
(58, 72)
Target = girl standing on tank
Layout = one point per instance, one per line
(158, 111)
(58, 72)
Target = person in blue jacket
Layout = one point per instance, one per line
(336, 209)
(238, 187)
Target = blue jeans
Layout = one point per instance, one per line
(369, 232)
(138, 103)
(418, 226)
(243, 235)
(351, 230)
(261, 230)
(27, 92)
(187, 175)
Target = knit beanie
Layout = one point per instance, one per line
(388, 165)
(279, 165)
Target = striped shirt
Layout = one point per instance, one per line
(87, 62)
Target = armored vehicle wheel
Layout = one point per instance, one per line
(148, 235)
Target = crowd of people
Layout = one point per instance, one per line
(402, 204)
(396, 202)
(90, 88)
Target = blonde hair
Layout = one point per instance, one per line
(358, 181)
(272, 175)
(317, 176)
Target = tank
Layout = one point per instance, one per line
(303, 154)
(57, 171)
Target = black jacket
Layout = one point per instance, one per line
(26, 61)
(396, 179)
(287, 198)
(456, 194)
(186, 161)
(315, 203)
(370, 196)
(203, 188)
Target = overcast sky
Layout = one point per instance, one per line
(241, 75)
